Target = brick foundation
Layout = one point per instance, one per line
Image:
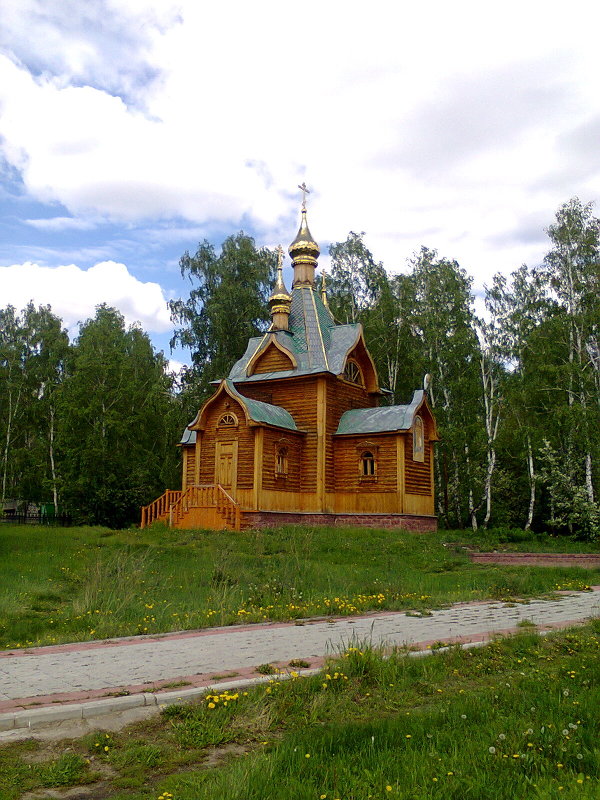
(273, 519)
(586, 560)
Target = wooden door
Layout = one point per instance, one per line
(226, 466)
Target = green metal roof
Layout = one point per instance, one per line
(380, 420)
(264, 412)
(313, 338)
(188, 437)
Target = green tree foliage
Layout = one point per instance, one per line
(33, 348)
(572, 273)
(445, 325)
(227, 305)
(361, 291)
(526, 373)
(357, 280)
(117, 423)
(516, 394)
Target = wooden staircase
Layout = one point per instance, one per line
(158, 511)
(197, 507)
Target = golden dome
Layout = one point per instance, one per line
(304, 244)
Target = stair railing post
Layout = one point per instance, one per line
(170, 515)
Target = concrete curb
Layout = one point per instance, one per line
(114, 705)
(35, 717)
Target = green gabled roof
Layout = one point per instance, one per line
(188, 437)
(264, 412)
(380, 420)
(313, 338)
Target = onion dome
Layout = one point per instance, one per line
(280, 300)
(304, 252)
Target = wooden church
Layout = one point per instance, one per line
(295, 433)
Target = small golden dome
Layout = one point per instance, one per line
(280, 295)
(304, 244)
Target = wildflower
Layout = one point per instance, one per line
(307, 755)
(579, 756)
(502, 736)
(106, 749)
(491, 750)
(463, 716)
(211, 705)
(388, 788)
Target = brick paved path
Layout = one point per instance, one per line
(69, 673)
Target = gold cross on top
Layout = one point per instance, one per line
(279, 251)
(304, 191)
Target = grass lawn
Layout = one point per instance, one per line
(515, 719)
(73, 584)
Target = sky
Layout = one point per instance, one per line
(131, 130)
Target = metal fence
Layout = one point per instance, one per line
(39, 518)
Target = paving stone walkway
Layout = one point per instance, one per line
(69, 674)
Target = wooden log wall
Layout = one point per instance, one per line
(347, 451)
(272, 360)
(273, 440)
(213, 433)
(417, 474)
(299, 397)
(341, 397)
(189, 466)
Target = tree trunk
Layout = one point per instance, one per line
(531, 474)
(472, 509)
(52, 464)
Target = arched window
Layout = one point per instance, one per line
(352, 373)
(227, 420)
(281, 461)
(367, 464)
(418, 440)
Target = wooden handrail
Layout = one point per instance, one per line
(159, 508)
(206, 495)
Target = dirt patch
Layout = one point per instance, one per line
(585, 560)
(216, 757)
(96, 791)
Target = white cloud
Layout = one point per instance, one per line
(74, 293)
(62, 224)
(104, 43)
(438, 124)
(176, 367)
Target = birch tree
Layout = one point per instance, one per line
(571, 270)
(443, 321)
